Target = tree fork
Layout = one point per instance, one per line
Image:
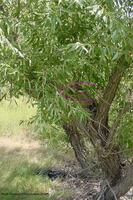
(111, 159)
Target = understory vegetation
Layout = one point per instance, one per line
(22, 151)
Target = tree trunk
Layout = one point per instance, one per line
(120, 188)
(78, 145)
(110, 158)
(109, 155)
(99, 133)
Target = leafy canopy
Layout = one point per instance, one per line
(46, 45)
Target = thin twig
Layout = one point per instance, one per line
(111, 190)
(115, 126)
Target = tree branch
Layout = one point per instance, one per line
(110, 90)
(115, 126)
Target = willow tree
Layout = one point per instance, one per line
(48, 45)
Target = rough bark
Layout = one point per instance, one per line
(77, 143)
(121, 188)
(110, 158)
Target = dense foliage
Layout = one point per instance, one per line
(45, 45)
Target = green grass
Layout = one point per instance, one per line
(17, 176)
(12, 113)
(20, 153)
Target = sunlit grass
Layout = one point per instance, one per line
(12, 113)
(17, 172)
(20, 154)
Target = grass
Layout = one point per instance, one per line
(20, 153)
(12, 113)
